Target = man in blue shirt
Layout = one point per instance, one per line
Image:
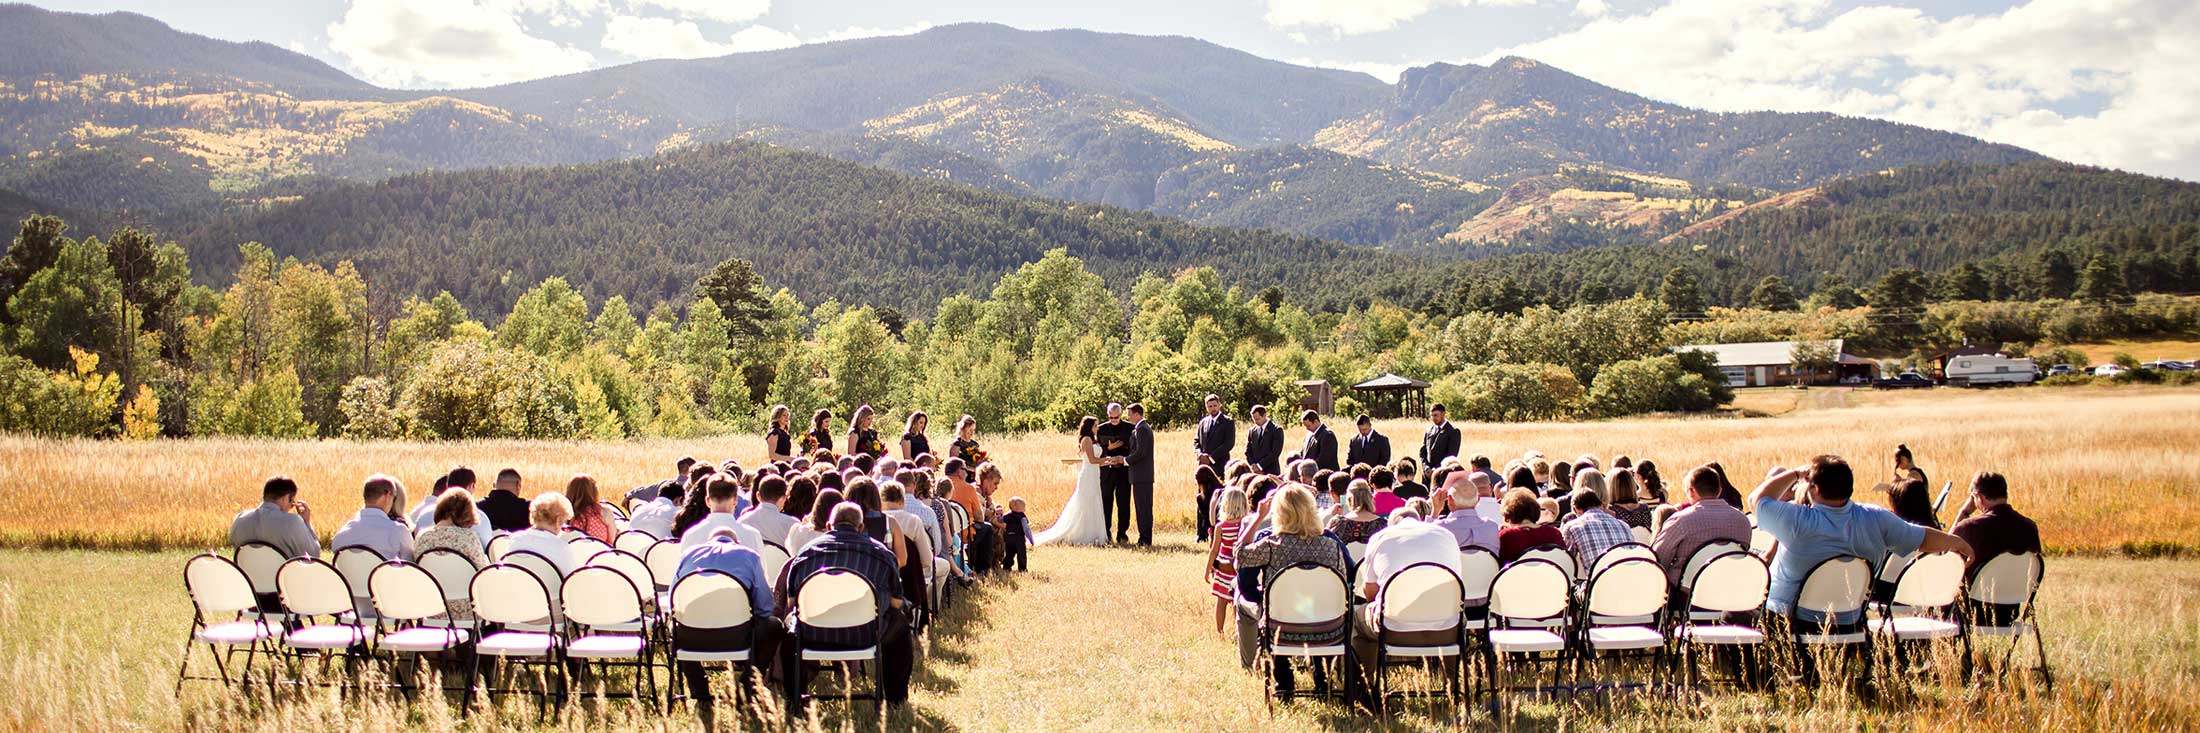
(847, 547)
(724, 552)
(1830, 525)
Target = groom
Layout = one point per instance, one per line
(1141, 474)
(1115, 437)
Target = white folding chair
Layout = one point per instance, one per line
(260, 562)
(1556, 555)
(1356, 551)
(1527, 599)
(1837, 588)
(1477, 569)
(775, 559)
(585, 547)
(637, 573)
(357, 564)
(605, 609)
(454, 572)
(613, 511)
(499, 543)
(1727, 584)
(513, 597)
(319, 600)
(836, 598)
(1623, 551)
(218, 589)
(553, 582)
(1705, 554)
(1923, 608)
(1622, 614)
(1423, 595)
(663, 560)
(1642, 534)
(708, 600)
(634, 542)
(2000, 596)
(1761, 543)
(405, 596)
(1306, 598)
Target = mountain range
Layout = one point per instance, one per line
(122, 118)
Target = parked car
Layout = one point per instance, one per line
(2168, 365)
(2060, 370)
(2107, 370)
(1987, 370)
(1905, 380)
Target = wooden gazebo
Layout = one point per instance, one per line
(1391, 395)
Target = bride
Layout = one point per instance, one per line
(1082, 521)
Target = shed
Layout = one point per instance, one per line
(1319, 398)
(1391, 395)
(1771, 363)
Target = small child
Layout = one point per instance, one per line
(1017, 536)
(1230, 506)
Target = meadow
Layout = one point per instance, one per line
(1117, 639)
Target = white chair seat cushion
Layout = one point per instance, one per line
(2001, 631)
(685, 655)
(1544, 623)
(1625, 637)
(234, 632)
(538, 627)
(424, 639)
(1722, 634)
(1699, 615)
(604, 647)
(1308, 650)
(517, 644)
(629, 627)
(1853, 637)
(1603, 620)
(839, 655)
(1916, 627)
(326, 636)
(1525, 640)
(1446, 650)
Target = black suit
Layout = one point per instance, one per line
(504, 509)
(1321, 446)
(1264, 448)
(1141, 459)
(1216, 435)
(1372, 449)
(1438, 443)
(1115, 481)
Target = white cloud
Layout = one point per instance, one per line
(721, 11)
(854, 32)
(1349, 17)
(762, 38)
(1389, 73)
(659, 38)
(1591, 8)
(445, 43)
(1999, 77)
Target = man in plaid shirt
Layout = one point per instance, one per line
(1593, 530)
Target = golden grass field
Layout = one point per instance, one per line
(1116, 639)
(2100, 468)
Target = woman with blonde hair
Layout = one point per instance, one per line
(547, 514)
(862, 438)
(779, 440)
(1357, 522)
(588, 515)
(1298, 539)
(1593, 479)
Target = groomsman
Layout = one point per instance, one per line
(1321, 445)
(1441, 441)
(1264, 443)
(1368, 447)
(1213, 440)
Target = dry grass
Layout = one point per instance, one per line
(2145, 350)
(2101, 469)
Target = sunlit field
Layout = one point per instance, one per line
(2101, 469)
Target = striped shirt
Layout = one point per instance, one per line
(846, 549)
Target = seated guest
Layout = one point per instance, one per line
(1828, 526)
(1520, 476)
(507, 512)
(1993, 528)
(373, 528)
(656, 517)
(1385, 482)
(721, 495)
(1727, 490)
(644, 493)
(588, 512)
(1707, 519)
(1912, 500)
(847, 547)
(1522, 529)
(1468, 526)
(452, 528)
(820, 522)
(1297, 537)
(917, 484)
(1480, 464)
(1653, 485)
(546, 515)
(723, 552)
(1626, 499)
(423, 517)
(1562, 481)
(1455, 490)
(1593, 530)
(280, 520)
(770, 523)
(1405, 544)
(908, 542)
(1407, 488)
(1591, 479)
(1359, 521)
(423, 513)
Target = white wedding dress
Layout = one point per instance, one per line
(1082, 521)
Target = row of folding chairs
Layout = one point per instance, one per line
(1534, 611)
(525, 614)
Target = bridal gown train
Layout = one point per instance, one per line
(1083, 521)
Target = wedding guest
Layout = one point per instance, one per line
(1230, 509)
(423, 513)
(1592, 479)
(280, 520)
(1408, 488)
(761, 634)
(1626, 504)
(1991, 525)
(644, 493)
(1593, 531)
(1520, 477)
(766, 518)
(1829, 526)
(913, 442)
(820, 437)
(507, 512)
(588, 513)
(696, 503)
(1359, 522)
(1562, 480)
(722, 495)
(1727, 490)
(1016, 536)
(1297, 538)
(1408, 543)
(1653, 485)
(846, 547)
(1467, 525)
(1205, 482)
(545, 516)
(779, 440)
(373, 528)
(1522, 529)
(1385, 483)
(452, 528)
(1905, 466)
(820, 521)
(1705, 520)
(658, 516)
(1912, 500)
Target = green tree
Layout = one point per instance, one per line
(1772, 294)
(1903, 290)
(470, 390)
(1510, 392)
(1680, 293)
(73, 303)
(269, 406)
(1966, 282)
(614, 327)
(2054, 274)
(735, 288)
(550, 320)
(1593, 292)
(859, 359)
(37, 245)
(1653, 384)
(370, 410)
(2103, 281)
(1835, 291)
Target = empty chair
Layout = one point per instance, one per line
(224, 617)
(1477, 569)
(775, 558)
(637, 573)
(836, 598)
(605, 609)
(260, 562)
(635, 542)
(708, 601)
(320, 602)
(1622, 613)
(1306, 600)
(405, 596)
(498, 544)
(1527, 599)
(552, 582)
(357, 564)
(664, 564)
(1829, 610)
(1999, 601)
(1923, 607)
(1421, 596)
(514, 597)
(1728, 585)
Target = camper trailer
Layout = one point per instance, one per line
(1986, 370)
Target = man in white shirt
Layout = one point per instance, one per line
(373, 528)
(770, 523)
(422, 517)
(724, 498)
(1402, 545)
(656, 517)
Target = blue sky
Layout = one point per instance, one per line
(2108, 82)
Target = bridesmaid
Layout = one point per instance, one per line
(966, 442)
(820, 437)
(913, 442)
(779, 442)
(862, 438)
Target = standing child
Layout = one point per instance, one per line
(1017, 536)
(1222, 551)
